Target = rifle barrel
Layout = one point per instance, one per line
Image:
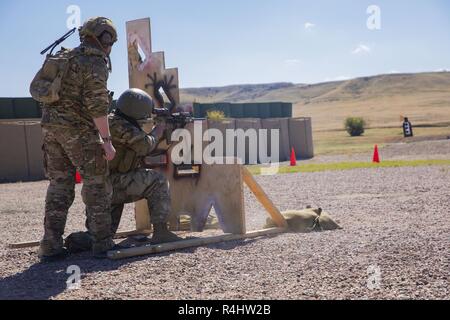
(59, 41)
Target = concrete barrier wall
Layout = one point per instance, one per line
(21, 157)
(284, 142)
(35, 154)
(309, 139)
(20, 148)
(223, 126)
(246, 124)
(300, 135)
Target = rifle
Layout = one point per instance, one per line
(58, 42)
(177, 120)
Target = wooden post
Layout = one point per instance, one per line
(146, 250)
(263, 198)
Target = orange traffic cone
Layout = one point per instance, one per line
(376, 155)
(293, 158)
(78, 178)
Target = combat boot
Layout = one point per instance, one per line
(161, 234)
(59, 256)
(100, 249)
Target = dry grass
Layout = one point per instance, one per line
(381, 100)
(339, 141)
(344, 166)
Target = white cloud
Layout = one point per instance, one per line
(394, 71)
(309, 25)
(362, 48)
(442, 70)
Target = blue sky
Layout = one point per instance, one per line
(215, 43)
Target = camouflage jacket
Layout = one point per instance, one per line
(84, 95)
(131, 142)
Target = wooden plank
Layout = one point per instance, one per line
(23, 245)
(119, 235)
(142, 215)
(166, 247)
(263, 199)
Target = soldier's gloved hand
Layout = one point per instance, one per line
(110, 151)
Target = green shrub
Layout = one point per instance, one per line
(355, 126)
(215, 115)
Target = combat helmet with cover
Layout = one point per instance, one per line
(100, 28)
(136, 104)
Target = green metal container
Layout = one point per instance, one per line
(276, 110)
(225, 108)
(251, 110)
(264, 110)
(286, 110)
(26, 108)
(6, 108)
(198, 110)
(237, 110)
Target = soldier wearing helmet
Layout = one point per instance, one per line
(77, 136)
(100, 31)
(130, 181)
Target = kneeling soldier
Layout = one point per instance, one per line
(129, 180)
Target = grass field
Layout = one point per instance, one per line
(319, 167)
(339, 141)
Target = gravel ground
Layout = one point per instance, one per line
(396, 230)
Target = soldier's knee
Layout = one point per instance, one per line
(157, 186)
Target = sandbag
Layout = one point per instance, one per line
(305, 221)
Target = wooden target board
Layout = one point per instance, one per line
(218, 186)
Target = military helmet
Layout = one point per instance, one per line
(136, 104)
(97, 27)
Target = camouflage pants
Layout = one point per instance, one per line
(64, 151)
(137, 185)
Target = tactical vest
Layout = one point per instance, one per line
(126, 160)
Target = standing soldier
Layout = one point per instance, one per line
(76, 135)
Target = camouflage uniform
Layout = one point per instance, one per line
(71, 141)
(130, 182)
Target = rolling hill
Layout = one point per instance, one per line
(381, 100)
